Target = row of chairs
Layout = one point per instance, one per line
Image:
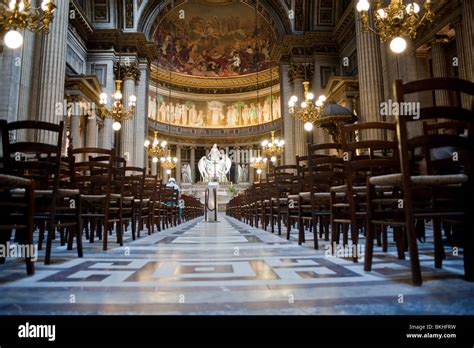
(364, 185)
(89, 192)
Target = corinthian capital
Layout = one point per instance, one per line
(301, 71)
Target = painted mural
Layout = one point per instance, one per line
(214, 41)
(214, 114)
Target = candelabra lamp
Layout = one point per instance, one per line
(20, 14)
(396, 21)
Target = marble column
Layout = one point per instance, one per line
(468, 36)
(440, 68)
(237, 164)
(288, 122)
(298, 74)
(465, 63)
(128, 126)
(77, 128)
(251, 169)
(154, 168)
(178, 165)
(27, 70)
(370, 77)
(10, 75)
(92, 131)
(192, 160)
(141, 117)
(53, 69)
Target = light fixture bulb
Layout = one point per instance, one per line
(12, 5)
(363, 5)
(319, 103)
(310, 96)
(304, 105)
(382, 14)
(175, 160)
(322, 97)
(155, 142)
(294, 98)
(413, 7)
(45, 5)
(133, 99)
(308, 126)
(13, 39)
(273, 159)
(291, 103)
(282, 142)
(155, 159)
(162, 159)
(116, 126)
(264, 143)
(168, 171)
(147, 143)
(259, 171)
(118, 95)
(164, 143)
(398, 45)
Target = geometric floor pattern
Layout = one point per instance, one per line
(230, 268)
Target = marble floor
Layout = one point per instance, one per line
(229, 268)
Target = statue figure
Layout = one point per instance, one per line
(242, 173)
(186, 174)
(215, 166)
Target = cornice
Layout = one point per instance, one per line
(219, 85)
(104, 39)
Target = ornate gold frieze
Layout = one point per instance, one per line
(215, 84)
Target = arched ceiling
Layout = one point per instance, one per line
(213, 48)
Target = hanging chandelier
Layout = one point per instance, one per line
(308, 111)
(155, 149)
(396, 21)
(273, 147)
(19, 14)
(168, 162)
(118, 112)
(259, 162)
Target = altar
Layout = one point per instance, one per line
(225, 192)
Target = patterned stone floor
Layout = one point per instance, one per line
(229, 268)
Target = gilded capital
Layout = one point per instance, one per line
(303, 71)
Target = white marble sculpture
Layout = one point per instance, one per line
(186, 174)
(243, 173)
(215, 166)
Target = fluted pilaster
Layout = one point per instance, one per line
(178, 165)
(370, 76)
(440, 68)
(53, 68)
(92, 132)
(128, 126)
(141, 114)
(464, 60)
(192, 160)
(288, 122)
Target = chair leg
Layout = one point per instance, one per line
(28, 233)
(49, 241)
(413, 249)
(438, 243)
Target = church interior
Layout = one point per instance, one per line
(236, 157)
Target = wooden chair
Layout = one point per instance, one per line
(17, 213)
(322, 172)
(93, 177)
(40, 161)
(151, 192)
(134, 206)
(433, 196)
(362, 159)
